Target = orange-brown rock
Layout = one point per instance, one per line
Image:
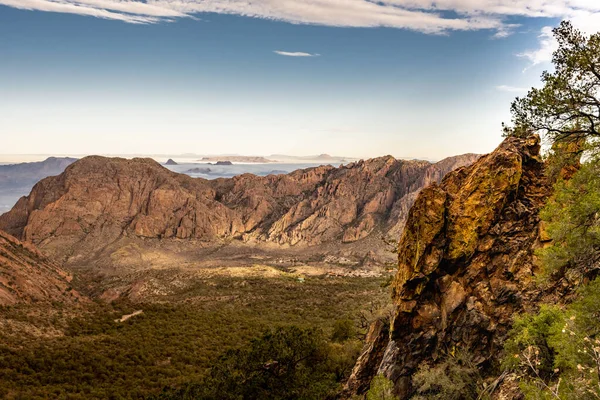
(27, 276)
(466, 263)
(98, 201)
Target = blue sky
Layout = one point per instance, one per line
(213, 82)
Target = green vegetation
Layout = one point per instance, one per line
(567, 106)
(284, 363)
(455, 378)
(381, 389)
(557, 352)
(573, 222)
(90, 356)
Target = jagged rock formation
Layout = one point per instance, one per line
(98, 200)
(465, 266)
(27, 276)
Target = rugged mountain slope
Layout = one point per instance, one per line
(98, 201)
(27, 276)
(465, 265)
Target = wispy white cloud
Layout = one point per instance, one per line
(511, 89)
(427, 16)
(295, 54)
(81, 8)
(543, 53)
(585, 15)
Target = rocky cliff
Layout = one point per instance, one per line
(465, 266)
(27, 276)
(98, 201)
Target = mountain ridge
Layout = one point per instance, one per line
(309, 206)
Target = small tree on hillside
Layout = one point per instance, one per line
(568, 104)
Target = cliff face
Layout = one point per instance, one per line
(98, 200)
(465, 264)
(27, 276)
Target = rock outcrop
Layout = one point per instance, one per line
(465, 266)
(98, 200)
(26, 276)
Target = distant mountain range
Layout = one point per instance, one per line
(24, 174)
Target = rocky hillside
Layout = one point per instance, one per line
(27, 276)
(97, 201)
(466, 264)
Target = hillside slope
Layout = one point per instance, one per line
(26, 276)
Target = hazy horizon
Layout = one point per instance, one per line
(6, 158)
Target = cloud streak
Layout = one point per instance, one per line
(115, 12)
(510, 89)
(295, 54)
(544, 52)
(427, 16)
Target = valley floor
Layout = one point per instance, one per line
(83, 353)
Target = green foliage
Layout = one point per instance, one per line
(284, 363)
(55, 354)
(572, 216)
(342, 357)
(535, 331)
(343, 329)
(568, 103)
(455, 378)
(557, 352)
(381, 389)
